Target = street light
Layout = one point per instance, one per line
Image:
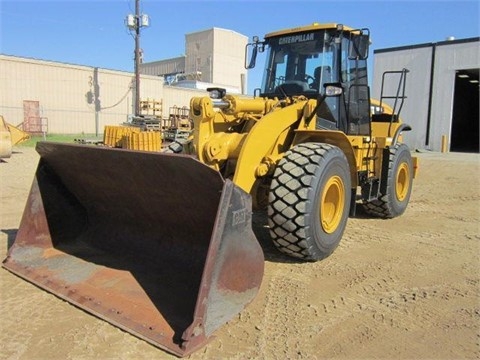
(135, 23)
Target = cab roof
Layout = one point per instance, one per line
(312, 27)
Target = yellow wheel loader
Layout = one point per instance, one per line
(311, 139)
(161, 244)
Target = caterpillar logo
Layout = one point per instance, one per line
(296, 38)
(239, 216)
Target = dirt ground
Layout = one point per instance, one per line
(406, 288)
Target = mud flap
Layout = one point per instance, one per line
(156, 244)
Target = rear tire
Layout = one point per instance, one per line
(309, 201)
(395, 185)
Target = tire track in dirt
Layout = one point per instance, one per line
(280, 330)
(402, 288)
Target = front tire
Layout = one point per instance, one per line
(309, 201)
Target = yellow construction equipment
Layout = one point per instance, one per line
(113, 135)
(161, 244)
(132, 138)
(9, 136)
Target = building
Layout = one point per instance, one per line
(442, 92)
(213, 57)
(51, 97)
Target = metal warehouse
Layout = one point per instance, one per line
(442, 92)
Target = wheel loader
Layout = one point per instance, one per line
(161, 244)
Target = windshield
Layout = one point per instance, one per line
(299, 64)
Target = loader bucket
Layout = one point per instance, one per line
(159, 245)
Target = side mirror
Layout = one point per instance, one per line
(257, 46)
(358, 44)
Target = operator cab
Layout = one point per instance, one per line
(302, 61)
(298, 65)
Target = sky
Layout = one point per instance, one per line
(93, 32)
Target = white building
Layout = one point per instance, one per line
(215, 56)
(59, 98)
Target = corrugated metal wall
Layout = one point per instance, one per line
(447, 57)
(415, 109)
(62, 93)
(168, 66)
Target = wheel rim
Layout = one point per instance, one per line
(333, 204)
(402, 182)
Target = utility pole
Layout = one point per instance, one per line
(137, 58)
(134, 23)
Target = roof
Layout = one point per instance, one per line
(314, 26)
(38, 61)
(417, 46)
(213, 29)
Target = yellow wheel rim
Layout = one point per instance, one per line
(402, 182)
(333, 204)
